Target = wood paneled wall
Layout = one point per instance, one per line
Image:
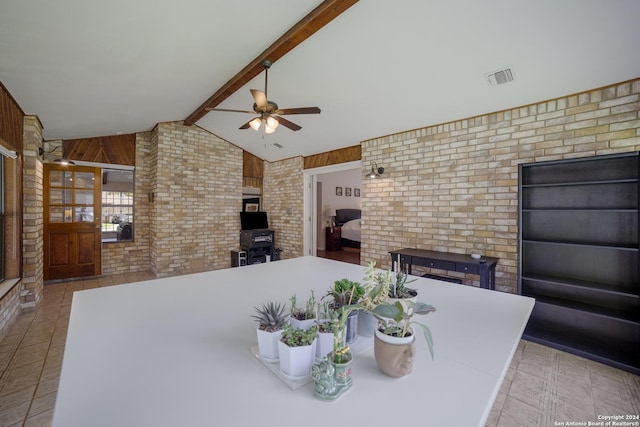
(114, 149)
(252, 166)
(11, 120)
(343, 155)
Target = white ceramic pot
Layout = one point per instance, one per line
(296, 362)
(268, 344)
(301, 324)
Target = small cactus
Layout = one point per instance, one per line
(271, 316)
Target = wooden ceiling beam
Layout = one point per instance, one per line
(324, 13)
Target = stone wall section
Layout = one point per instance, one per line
(197, 200)
(32, 215)
(129, 257)
(454, 186)
(284, 204)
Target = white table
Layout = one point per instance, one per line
(176, 352)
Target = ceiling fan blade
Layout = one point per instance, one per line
(286, 123)
(230, 111)
(301, 110)
(246, 125)
(259, 97)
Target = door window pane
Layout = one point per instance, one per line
(84, 214)
(84, 180)
(84, 197)
(59, 196)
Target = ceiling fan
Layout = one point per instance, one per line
(268, 111)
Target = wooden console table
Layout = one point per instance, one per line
(484, 267)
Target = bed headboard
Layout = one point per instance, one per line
(345, 215)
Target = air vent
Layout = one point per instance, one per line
(500, 77)
(275, 144)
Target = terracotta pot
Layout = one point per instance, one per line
(394, 355)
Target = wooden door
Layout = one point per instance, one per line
(72, 226)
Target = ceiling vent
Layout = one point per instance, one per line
(275, 144)
(500, 77)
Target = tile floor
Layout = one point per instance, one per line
(543, 387)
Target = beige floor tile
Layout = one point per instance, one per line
(41, 420)
(42, 403)
(15, 414)
(20, 378)
(517, 413)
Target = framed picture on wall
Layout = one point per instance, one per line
(338, 191)
(347, 191)
(251, 204)
(356, 192)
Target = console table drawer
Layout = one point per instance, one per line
(467, 268)
(434, 263)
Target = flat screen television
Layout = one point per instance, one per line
(253, 220)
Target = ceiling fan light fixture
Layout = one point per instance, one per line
(255, 123)
(268, 129)
(272, 122)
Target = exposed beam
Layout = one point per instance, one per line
(326, 12)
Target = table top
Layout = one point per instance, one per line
(176, 351)
(449, 256)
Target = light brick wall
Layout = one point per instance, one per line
(454, 187)
(33, 215)
(198, 197)
(129, 257)
(283, 202)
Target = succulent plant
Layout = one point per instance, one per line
(345, 292)
(271, 316)
(298, 337)
(306, 313)
(397, 288)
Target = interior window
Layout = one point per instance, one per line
(117, 205)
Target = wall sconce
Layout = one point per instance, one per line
(375, 171)
(64, 161)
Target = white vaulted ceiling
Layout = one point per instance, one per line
(91, 68)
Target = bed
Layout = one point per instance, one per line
(349, 221)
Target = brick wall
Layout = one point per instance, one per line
(454, 187)
(198, 195)
(33, 215)
(129, 257)
(283, 202)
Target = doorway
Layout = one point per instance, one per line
(72, 217)
(316, 207)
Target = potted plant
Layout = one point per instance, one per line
(297, 349)
(394, 343)
(398, 289)
(271, 319)
(303, 317)
(345, 293)
(376, 286)
(332, 375)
